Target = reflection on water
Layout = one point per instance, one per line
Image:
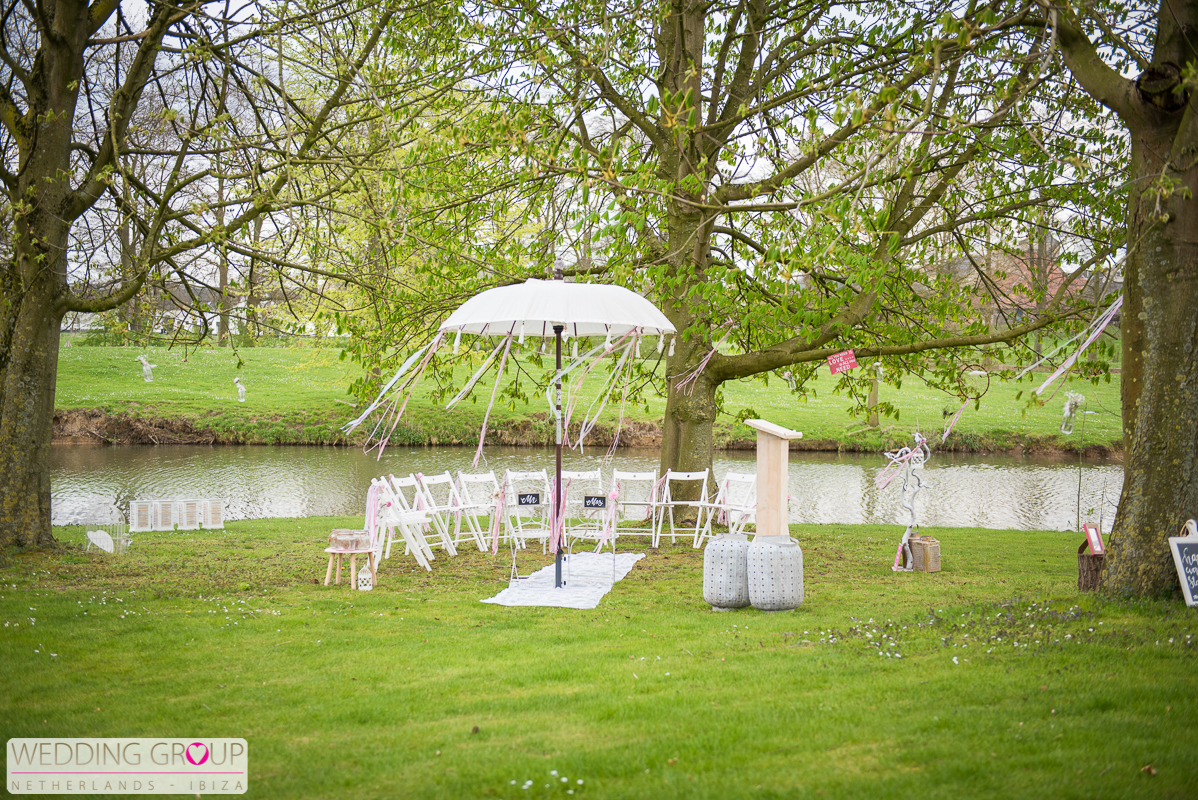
(255, 481)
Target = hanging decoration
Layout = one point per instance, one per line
(1073, 401)
(1094, 329)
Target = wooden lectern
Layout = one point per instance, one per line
(773, 453)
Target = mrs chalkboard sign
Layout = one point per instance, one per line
(1185, 556)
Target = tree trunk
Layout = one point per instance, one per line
(28, 372)
(1160, 370)
(688, 431)
(129, 314)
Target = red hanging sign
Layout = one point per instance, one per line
(839, 362)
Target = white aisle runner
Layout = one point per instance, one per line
(587, 577)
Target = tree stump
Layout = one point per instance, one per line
(1089, 569)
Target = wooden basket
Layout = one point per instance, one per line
(1089, 569)
(925, 553)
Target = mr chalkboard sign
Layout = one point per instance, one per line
(529, 499)
(1185, 556)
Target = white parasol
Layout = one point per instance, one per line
(536, 306)
(550, 308)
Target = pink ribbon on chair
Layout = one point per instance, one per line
(722, 516)
(608, 529)
(372, 513)
(420, 504)
(500, 501)
(653, 495)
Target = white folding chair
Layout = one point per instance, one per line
(585, 504)
(668, 504)
(408, 491)
(445, 504)
(478, 493)
(396, 519)
(735, 505)
(636, 504)
(526, 507)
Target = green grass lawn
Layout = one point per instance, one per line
(992, 678)
(299, 395)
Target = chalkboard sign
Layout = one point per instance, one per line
(531, 499)
(1185, 557)
(591, 501)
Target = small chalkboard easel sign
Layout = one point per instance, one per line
(1185, 557)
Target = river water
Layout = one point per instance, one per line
(1019, 492)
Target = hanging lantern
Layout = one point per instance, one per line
(365, 578)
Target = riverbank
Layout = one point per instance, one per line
(136, 426)
(298, 396)
(992, 678)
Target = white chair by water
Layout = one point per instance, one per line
(636, 504)
(735, 505)
(585, 504)
(396, 519)
(479, 493)
(669, 504)
(527, 498)
(408, 490)
(442, 499)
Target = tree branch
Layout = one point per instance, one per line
(1095, 76)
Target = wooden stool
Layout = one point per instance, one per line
(352, 543)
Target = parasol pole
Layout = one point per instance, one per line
(557, 484)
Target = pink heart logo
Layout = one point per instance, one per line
(203, 758)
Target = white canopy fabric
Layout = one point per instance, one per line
(535, 306)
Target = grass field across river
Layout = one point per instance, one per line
(298, 395)
(993, 678)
